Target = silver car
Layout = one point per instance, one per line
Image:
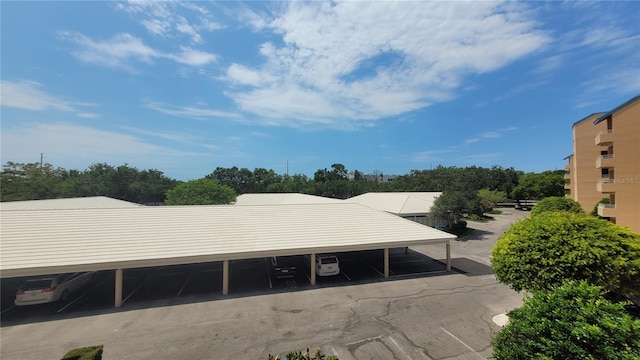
(51, 288)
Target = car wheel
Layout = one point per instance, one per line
(65, 295)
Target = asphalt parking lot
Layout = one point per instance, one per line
(420, 312)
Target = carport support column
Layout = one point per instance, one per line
(225, 277)
(448, 255)
(386, 262)
(118, 288)
(313, 269)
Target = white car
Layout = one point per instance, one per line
(326, 264)
(51, 288)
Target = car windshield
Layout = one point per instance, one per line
(328, 260)
(36, 284)
(286, 261)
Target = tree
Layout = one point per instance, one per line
(572, 321)
(489, 198)
(541, 252)
(32, 181)
(556, 203)
(456, 204)
(539, 186)
(200, 192)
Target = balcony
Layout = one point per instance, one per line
(607, 210)
(604, 161)
(604, 137)
(606, 185)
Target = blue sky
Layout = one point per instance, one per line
(185, 87)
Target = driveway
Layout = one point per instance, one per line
(437, 316)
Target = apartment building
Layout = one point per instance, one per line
(606, 164)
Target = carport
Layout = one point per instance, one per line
(48, 241)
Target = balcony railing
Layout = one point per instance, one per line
(607, 210)
(606, 185)
(604, 137)
(604, 161)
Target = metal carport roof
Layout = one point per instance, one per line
(399, 203)
(91, 202)
(50, 241)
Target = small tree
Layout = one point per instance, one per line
(572, 321)
(200, 192)
(556, 203)
(490, 198)
(541, 252)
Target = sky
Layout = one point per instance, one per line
(378, 86)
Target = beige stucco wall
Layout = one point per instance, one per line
(626, 165)
(584, 174)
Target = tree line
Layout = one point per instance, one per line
(466, 190)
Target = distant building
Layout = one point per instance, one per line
(377, 176)
(606, 164)
(414, 206)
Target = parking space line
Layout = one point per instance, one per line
(461, 342)
(7, 310)
(376, 270)
(136, 289)
(345, 275)
(81, 296)
(185, 284)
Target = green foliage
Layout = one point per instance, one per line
(541, 252)
(456, 204)
(594, 212)
(556, 203)
(572, 321)
(200, 192)
(299, 355)
(35, 182)
(85, 353)
(539, 186)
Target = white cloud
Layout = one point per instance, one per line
(60, 139)
(490, 134)
(189, 112)
(185, 138)
(117, 52)
(471, 141)
(159, 17)
(184, 27)
(76, 147)
(245, 76)
(189, 56)
(88, 115)
(487, 158)
(29, 95)
(123, 50)
(351, 61)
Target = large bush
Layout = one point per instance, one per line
(556, 203)
(200, 192)
(85, 353)
(572, 321)
(540, 252)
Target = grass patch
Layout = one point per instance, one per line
(495, 212)
(480, 219)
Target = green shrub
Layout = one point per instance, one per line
(85, 353)
(572, 321)
(541, 252)
(299, 355)
(555, 203)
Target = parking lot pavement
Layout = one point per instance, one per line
(177, 312)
